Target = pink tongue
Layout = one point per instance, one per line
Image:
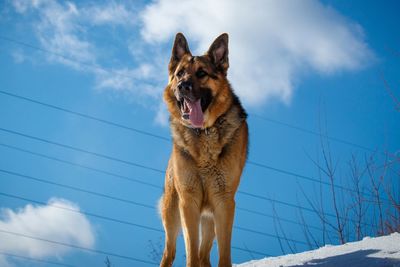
(196, 114)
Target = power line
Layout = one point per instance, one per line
(83, 150)
(277, 217)
(107, 253)
(96, 251)
(280, 202)
(125, 222)
(146, 167)
(140, 204)
(106, 196)
(138, 181)
(252, 251)
(264, 118)
(164, 138)
(269, 235)
(134, 164)
(34, 259)
(311, 179)
(106, 218)
(78, 189)
(144, 205)
(168, 139)
(260, 165)
(122, 177)
(295, 206)
(338, 140)
(156, 169)
(86, 116)
(110, 197)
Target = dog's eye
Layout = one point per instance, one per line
(201, 73)
(180, 73)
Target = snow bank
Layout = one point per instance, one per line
(381, 251)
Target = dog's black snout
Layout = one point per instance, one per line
(185, 85)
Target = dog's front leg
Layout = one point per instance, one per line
(190, 194)
(224, 211)
(190, 217)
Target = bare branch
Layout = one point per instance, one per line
(293, 250)
(390, 92)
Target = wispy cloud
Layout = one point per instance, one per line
(63, 29)
(18, 56)
(162, 115)
(111, 13)
(21, 6)
(272, 42)
(58, 30)
(44, 222)
(131, 80)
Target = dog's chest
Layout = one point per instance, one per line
(209, 146)
(206, 146)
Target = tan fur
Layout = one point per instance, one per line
(205, 166)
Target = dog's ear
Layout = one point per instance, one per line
(179, 49)
(218, 52)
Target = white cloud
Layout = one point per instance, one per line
(18, 56)
(21, 5)
(111, 13)
(4, 262)
(271, 42)
(62, 29)
(162, 115)
(131, 80)
(58, 30)
(48, 223)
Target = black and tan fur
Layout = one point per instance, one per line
(206, 163)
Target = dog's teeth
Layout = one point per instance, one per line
(187, 106)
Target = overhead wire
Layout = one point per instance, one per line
(304, 130)
(114, 220)
(107, 218)
(130, 128)
(264, 118)
(86, 116)
(135, 164)
(148, 168)
(147, 133)
(100, 155)
(71, 163)
(112, 174)
(35, 259)
(97, 251)
(158, 137)
(90, 214)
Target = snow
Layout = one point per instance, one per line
(381, 251)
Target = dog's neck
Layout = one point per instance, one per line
(223, 128)
(206, 145)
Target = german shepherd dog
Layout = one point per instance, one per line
(210, 136)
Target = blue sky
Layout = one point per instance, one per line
(298, 67)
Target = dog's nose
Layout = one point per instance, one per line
(185, 85)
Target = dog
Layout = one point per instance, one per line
(210, 146)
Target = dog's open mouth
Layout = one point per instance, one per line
(193, 108)
(192, 111)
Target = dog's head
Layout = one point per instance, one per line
(198, 91)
